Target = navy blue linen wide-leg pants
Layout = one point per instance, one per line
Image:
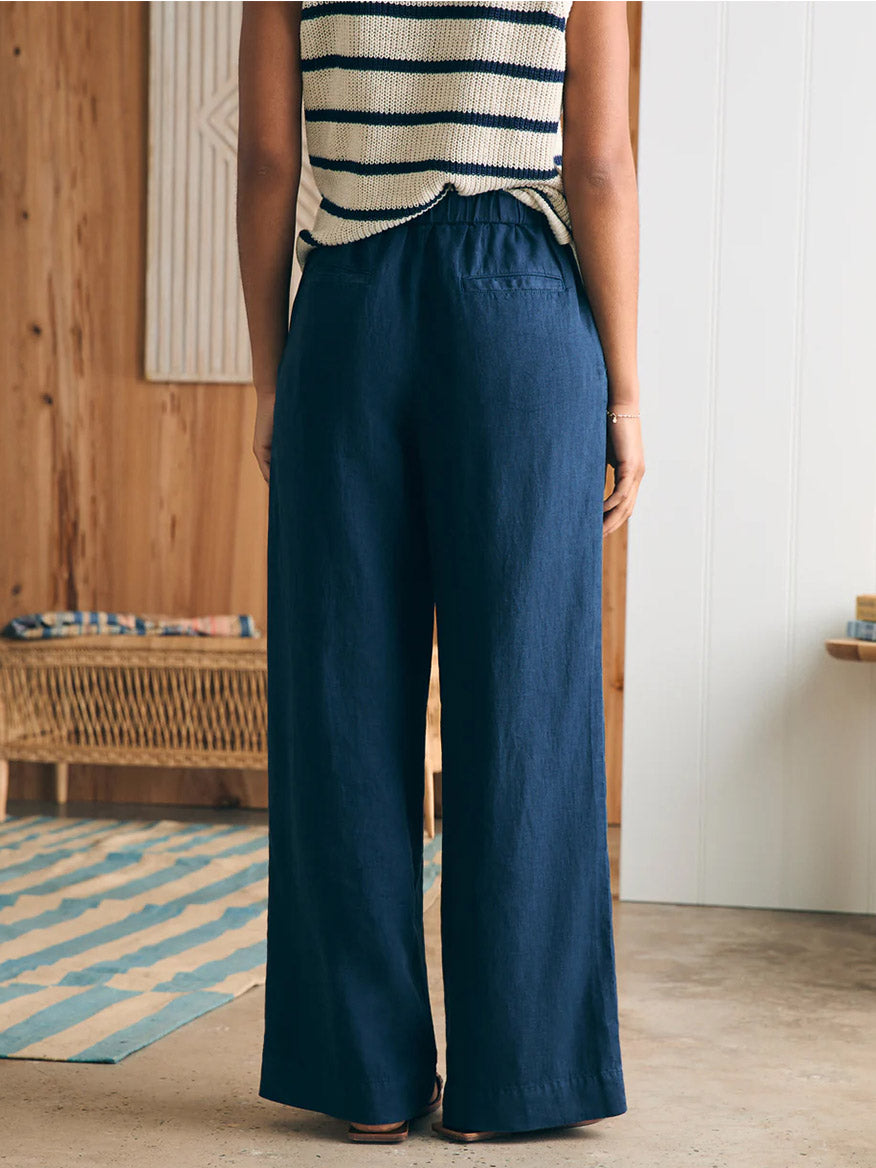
(439, 439)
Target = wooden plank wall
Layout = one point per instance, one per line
(117, 492)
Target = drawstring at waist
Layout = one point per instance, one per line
(494, 206)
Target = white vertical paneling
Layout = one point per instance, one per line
(749, 764)
(666, 615)
(196, 328)
(753, 452)
(828, 841)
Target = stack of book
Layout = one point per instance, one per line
(863, 627)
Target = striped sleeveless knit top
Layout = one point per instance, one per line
(404, 102)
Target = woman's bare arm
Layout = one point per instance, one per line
(599, 177)
(268, 173)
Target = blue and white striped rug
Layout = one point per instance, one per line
(114, 933)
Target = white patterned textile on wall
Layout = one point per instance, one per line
(196, 326)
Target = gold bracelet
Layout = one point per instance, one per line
(614, 417)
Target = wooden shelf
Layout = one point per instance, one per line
(851, 649)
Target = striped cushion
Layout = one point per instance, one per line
(406, 101)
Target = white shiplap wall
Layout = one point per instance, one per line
(750, 754)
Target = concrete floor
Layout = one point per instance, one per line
(748, 1038)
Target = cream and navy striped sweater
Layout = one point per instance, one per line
(406, 101)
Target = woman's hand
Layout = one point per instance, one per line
(623, 451)
(264, 432)
(268, 170)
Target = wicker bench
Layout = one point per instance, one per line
(155, 701)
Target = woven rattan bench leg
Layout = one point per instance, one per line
(62, 771)
(429, 801)
(4, 786)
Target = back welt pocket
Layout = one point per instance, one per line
(514, 282)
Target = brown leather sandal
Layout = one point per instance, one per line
(463, 1137)
(459, 1137)
(395, 1135)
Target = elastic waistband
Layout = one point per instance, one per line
(497, 206)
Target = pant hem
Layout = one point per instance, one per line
(368, 1101)
(528, 1107)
